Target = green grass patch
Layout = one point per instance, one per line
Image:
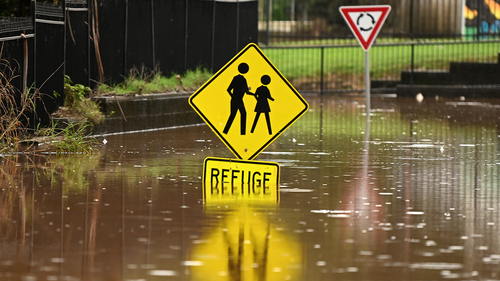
(77, 104)
(73, 138)
(149, 82)
(385, 61)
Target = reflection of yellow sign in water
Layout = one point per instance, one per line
(248, 103)
(246, 247)
(229, 180)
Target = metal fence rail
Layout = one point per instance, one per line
(313, 46)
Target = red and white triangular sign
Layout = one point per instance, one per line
(365, 22)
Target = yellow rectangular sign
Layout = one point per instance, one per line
(234, 180)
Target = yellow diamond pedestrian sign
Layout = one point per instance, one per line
(248, 103)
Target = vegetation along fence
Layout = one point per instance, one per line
(309, 41)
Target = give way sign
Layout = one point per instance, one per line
(365, 22)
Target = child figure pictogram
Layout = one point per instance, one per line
(262, 94)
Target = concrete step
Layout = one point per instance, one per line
(381, 83)
(474, 73)
(449, 91)
(426, 77)
(462, 76)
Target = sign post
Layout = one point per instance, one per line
(367, 83)
(365, 22)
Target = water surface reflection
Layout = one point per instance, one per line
(415, 197)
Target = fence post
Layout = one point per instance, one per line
(25, 64)
(267, 21)
(186, 33)
(412, 44)
(76, 42)
(125, 52)
(322, 69)
(33, 18)
(212, 68)
(237, 26)
(153, 34)
(49, 53)
(478, 22)
(412, 62)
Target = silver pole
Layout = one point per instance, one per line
(367, 82)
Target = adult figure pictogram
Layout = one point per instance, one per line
(262, 94)
(237, 90)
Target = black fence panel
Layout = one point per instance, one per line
(108, 45)
(175, 35)
(235, 27)
(226, 30)
(170, 43)
(247, 23)
(77, 42)
(13, 53)
(16, 60)
(140, 34)
(49, 59)
(200, 27)
(217, 30)
(17, 49)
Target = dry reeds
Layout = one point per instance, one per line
(16, 108)
(18, 126)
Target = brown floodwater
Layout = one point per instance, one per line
(415, 197)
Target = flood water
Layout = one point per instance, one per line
(417, 197)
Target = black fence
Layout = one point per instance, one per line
(100, 41)
(17, 43)
(312, 45)
(172, 35)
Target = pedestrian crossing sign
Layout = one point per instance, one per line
(248, 103)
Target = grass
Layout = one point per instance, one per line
(385, 61)
(149, 82)
(15, 109)
(16, 128)
(77, 104)
(380, 40)
(73, 138)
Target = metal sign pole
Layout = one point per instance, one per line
(367, 82)
(365, 32)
